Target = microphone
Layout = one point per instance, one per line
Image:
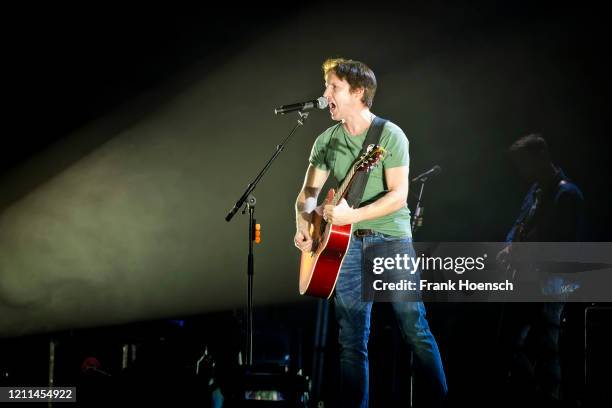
(320, 103)
(429, 173)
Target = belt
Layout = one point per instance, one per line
(363, 232)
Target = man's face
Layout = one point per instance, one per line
(340, 98)
(527, 166)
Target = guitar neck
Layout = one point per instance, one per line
(344, 186)
(365, 163)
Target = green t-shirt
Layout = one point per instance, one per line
(335, 150)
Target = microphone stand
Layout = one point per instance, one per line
(417, 221)
(248, 200)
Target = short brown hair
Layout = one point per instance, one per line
(533, 145)
(356, 73)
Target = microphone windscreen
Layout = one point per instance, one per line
(322, 102)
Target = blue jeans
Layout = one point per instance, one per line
(353, 316)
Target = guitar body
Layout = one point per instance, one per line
(320, 268)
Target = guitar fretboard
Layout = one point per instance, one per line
(345, 184)
(368, 160)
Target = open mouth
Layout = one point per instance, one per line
(332, 107)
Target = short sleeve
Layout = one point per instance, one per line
(394, 141)
(318, 153)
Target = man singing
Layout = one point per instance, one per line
(381, 225)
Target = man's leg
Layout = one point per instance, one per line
(517, 376)
(353, 316)
(415, 330)
(545, 336)
(410, 315)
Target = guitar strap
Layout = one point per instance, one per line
(355, 192)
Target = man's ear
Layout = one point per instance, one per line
(358, 92)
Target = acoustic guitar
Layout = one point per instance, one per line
(319, 268)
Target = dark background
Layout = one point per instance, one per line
(467, 79)
(68, 65)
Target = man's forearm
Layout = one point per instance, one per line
(305, 204)
(387, 204)
(302, 218)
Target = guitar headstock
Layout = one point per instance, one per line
(371, 158)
